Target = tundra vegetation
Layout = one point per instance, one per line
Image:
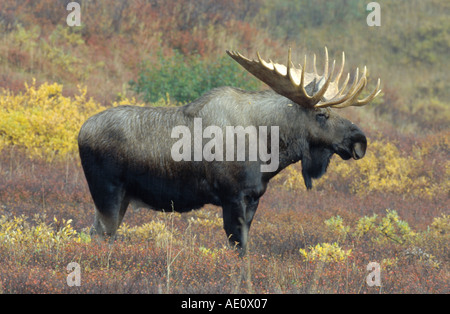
(391, 207)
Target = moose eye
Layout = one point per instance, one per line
(321, 117)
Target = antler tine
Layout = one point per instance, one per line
(338, 76)
(290, 68)
(289, 59)
(314, 65)
(336, 99)
(355, 82)
(345, 101)
(259, 56)
(318, 96)
(325, 71)
(353, 99)
(369, 98)
(264, 63)
(302, 79)
(344, 86)
(293, 82)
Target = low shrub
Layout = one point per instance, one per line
(187, 78)
(384, 169)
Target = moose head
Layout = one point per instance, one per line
(318, 129)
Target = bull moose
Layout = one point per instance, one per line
(127, 151)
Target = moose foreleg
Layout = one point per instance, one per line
(237, 218)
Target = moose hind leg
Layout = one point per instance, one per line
(109, 210)
(105, 226)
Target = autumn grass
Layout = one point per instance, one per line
(315, 242)
(390, 207)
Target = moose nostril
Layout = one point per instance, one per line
(358, 150)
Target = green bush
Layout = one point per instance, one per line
(186, 78)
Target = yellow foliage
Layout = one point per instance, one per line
(156, 231)
(389, 263)
(389, 227)
(18, 231)
(336, 226)
(383, 169)
(294, 179)
(326, 252)
(212, 253)
(45, 122)
(441, 225)
(393, 228)
(207, 218)
(365, 225)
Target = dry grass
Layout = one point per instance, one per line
(174, 253)
(309, 242)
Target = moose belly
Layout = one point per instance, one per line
(166, 195)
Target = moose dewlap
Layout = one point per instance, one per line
(134, 154)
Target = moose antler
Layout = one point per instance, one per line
(309, 89)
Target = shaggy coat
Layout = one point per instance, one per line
(126, 156)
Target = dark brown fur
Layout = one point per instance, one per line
(125, 154)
